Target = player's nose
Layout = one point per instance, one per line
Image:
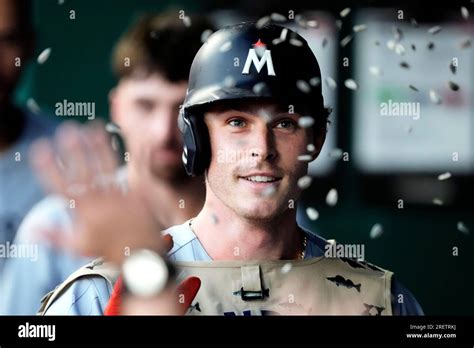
(264, 143)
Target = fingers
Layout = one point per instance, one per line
(86, 156)
(187, 291)
(77, 159)
(102, 149)
(44, 161)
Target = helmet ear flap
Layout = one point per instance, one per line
(196, 147)
(181, 120)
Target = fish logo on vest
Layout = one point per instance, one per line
(341, 281)
(259, 50)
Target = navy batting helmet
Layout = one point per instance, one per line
(247, 61)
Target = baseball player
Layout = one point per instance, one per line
(253, 107)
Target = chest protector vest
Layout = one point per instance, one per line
(317, 286)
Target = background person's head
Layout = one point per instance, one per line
(152, 62)
(16, 44)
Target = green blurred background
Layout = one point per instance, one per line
(418, 240)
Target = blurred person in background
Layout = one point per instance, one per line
(19, 189)
(152, 62)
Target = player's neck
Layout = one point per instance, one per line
(227, 236)
(171, 204)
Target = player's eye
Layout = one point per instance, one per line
(145, 105)
(286, 124)
(237, 122)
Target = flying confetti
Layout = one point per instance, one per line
(405, 65)
(187, 21)
(399, 49)
(332, 197)
(229, 81)
(33, 106)
(444, 176)
(286, 268)
(452, 67)
(391, 44)
(205, 35)
(305, 158)
(358, 28)
(268, 191)
(345, 12)
(315, 81)
(345, 41)
(335, 153)
(304, 182)
(43, 56)
(303, 86)
(259, 87)
(312, 213)
(462, 227)
(262, 22)
(305, 121)
(296, 42)
(331, 83)
(434, 30)
(453, 85)
(435, 97)
(351, 84)
(397, 33)
(226, 46)
(375, 70)
(277, 17)
(376, 231)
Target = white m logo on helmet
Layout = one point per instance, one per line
(259, 63)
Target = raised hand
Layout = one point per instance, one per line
(81, 166)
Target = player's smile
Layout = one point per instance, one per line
(261, 182)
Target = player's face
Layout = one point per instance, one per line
(146, 109)
(11, 47)
(254, 166)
